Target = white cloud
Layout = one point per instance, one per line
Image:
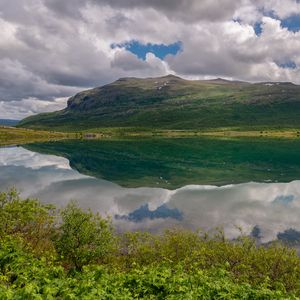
(126, 61)
(51, 48)
(20, 109)
(281, 8)
(233, 50)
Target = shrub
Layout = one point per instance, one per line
(23, 276)
(28, 218)
(84, 237)
(178, 264)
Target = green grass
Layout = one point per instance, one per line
(17, 136)
(124, 132)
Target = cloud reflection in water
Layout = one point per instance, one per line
(272, 207)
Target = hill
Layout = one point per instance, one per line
(171, 102)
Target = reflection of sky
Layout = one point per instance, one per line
(273, 207)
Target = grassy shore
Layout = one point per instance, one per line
(215, 132)
(13, 136)
(16, 136)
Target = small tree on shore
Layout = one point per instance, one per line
(84, 237)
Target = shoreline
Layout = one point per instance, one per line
(10, 136)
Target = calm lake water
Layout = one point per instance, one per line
(150, 184)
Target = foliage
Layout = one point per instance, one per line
(22, 276)
(178, 264)
(27, 218)
(83, 237)
(278, 265)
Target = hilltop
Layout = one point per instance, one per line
(170, 102)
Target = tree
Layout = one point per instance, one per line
(28, 218)
(84, 237)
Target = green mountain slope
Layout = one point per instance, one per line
(171, 102)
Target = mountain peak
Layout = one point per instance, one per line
(125, 79)
(171, 76)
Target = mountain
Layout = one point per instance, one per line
(8, 122)
(171, 102)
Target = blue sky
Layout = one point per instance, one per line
(159, 50)
(258, 28)
(288, 64)
(292, 23)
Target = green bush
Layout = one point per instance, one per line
(276, 264)
(75, 254)
(24, 276)
(83, 237)
(28, 218)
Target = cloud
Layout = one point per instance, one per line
(235, 51)
(126, 61)
(281, 8)
(51, 49)
(18, 82)
(26, 107)
(178, 10)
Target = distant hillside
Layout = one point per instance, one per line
(171, 102)
(9, 122)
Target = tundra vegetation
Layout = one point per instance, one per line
(71, 253)
(13, 136)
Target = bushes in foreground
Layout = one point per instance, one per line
(47, 253)
(24, 276)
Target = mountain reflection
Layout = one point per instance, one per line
(173, 163)
(143, 213)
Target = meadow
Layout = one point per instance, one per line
(16, 136)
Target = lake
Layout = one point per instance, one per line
(152, 184)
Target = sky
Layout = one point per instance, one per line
(52, 49)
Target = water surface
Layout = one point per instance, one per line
(152, 184)
(174, 163)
